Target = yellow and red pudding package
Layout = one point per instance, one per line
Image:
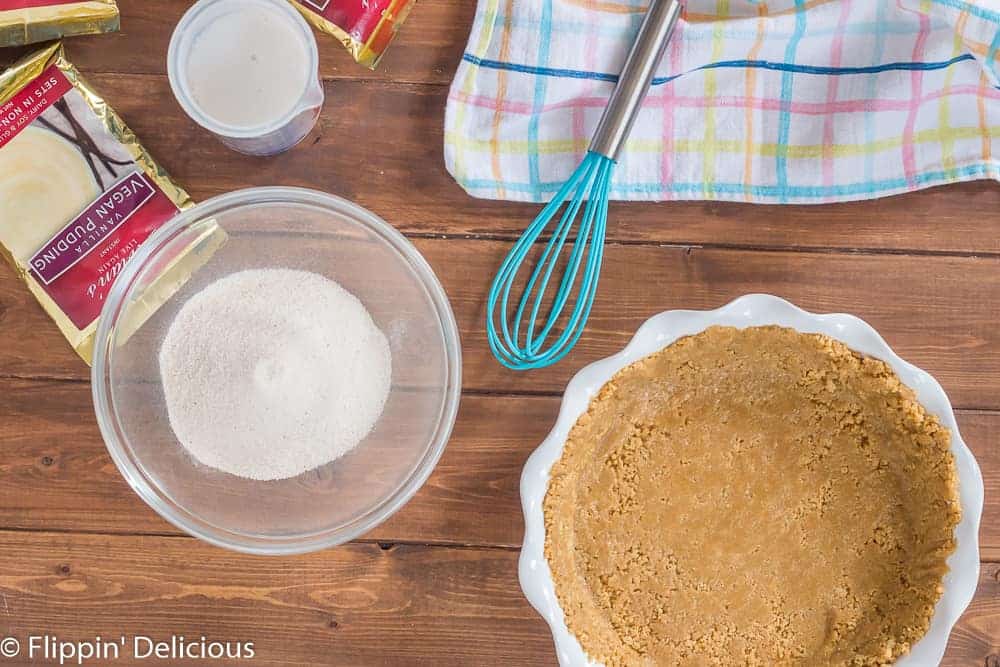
(364, 27)
(78, 192)
(28, 21)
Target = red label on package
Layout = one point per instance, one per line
(18, 112)
(79, 264)
(358, 18)
(26, 4)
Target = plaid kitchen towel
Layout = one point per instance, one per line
(802, 101)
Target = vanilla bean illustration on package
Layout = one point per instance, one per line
(78, 193)
(28, 21)
(364, 27)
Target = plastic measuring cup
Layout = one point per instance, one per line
(268, 136)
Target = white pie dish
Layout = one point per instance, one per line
(751, 310)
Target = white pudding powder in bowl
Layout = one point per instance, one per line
(269, 373)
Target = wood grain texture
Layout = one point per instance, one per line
(427, 50)
(357, 605)
(80, 554)
(975, 641)
(937, 312)
(51, 444)
(381, 144)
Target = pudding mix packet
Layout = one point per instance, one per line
(364, 27)
(28, 21)
(78, 192)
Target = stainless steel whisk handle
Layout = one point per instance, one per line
(636, 77)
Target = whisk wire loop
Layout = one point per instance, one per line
(550, 259)
(522, 349)
(512, 263)
(504, 279)
(582, 243)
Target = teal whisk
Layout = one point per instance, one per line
(524, 345)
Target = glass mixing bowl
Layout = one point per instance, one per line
(297, 229)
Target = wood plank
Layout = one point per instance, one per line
(975, 641)
(381, 146)
(937, 312)
(51, 445)
(427, 49)
(407, 604)
(355, 605)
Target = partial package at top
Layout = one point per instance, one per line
(364, 27)
(29, 21)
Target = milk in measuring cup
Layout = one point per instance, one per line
(247, 70)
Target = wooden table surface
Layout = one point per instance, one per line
(81, 555)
